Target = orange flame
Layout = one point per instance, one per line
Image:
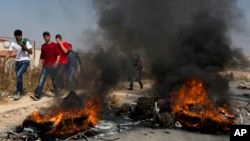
(192, 107)
(68, 122)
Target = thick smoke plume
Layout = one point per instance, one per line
(182, 39)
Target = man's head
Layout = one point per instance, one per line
(58, 37)
(46, 36)
(18, 35)
(70, 47)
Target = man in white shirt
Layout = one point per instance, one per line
(23, 50)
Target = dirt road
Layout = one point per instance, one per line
(12, 113)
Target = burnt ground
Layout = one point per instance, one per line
(12, 114)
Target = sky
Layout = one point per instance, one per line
(241, 38)
(73, 18)
(33, 17)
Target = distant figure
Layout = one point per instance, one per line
(23, 50)
(231, 75)
(62, 65)
(135, 72)
(49, 59)
(72, 66)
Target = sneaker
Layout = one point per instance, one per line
(130, 88)
(36, 98)
(141, 86)
(17, 96)
(20, 93)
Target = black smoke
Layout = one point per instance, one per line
(201, 51)
(108, 65)
(182, 39)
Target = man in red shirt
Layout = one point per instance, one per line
(62, 65)
(48, 63)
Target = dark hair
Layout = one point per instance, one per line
(58, 36)
(46, 33)
(17, 32)
(70, 45)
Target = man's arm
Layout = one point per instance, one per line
(40, 64)
(79, 59)
(6, 58)
(57, 61)
(65, 50)
(139, 65)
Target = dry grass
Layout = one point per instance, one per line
(8, 80)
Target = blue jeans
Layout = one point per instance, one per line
(43, 76)
(72, 77)
(20, 68)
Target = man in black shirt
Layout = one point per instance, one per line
(136, 72)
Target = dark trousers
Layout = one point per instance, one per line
(135, 74)
(72, 77)
(61, 72)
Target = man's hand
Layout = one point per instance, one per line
(39, 68)
(24, 48)
(58, 41)
(55, 65)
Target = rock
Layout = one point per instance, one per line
(71, 101)
(6, 115)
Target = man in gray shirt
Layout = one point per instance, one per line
(72, 66)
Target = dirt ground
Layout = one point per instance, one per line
(12, 113)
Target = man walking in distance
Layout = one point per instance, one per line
(49, 59)
(73, 66)
(63, 61)
(136, 72)
(23, 50)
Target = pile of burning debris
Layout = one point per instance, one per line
(64, 121)
(189, 108)
(192, 107)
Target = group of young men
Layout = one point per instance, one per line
(56, 59)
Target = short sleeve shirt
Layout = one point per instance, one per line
(63, 56)
(20, 54)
